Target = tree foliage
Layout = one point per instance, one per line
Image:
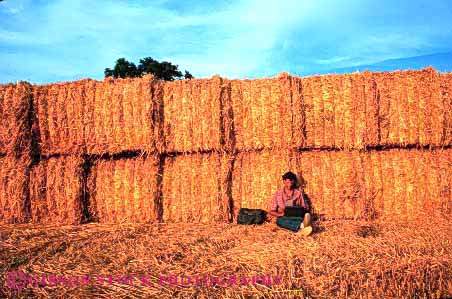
(161, 70)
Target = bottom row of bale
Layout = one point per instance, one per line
(213, 187)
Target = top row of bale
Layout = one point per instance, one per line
(351, 111)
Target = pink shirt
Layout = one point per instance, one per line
(280, 200)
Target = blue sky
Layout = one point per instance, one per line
(49, 41)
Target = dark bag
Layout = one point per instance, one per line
(290, 223)
(251, 216)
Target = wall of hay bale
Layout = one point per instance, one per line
(57, 190)
(15, 124)
(14, 204)
(196, 188)
(124, 189)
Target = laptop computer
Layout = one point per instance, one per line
(295, 211)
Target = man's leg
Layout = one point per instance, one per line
(306, 228)
(307, 220)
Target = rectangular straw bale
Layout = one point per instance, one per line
(58, 124)
(348, 184)
(446, 95)
(124, 190)
(196, 188)
(412, 109)
(57, 190)
(313, 104)
(14, 180)
(15, 127)
(192, 115)
(258, 175)
(121, 115)
(267, 113)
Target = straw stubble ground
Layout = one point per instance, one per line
(342, 259)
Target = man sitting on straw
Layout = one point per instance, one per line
(290, 195)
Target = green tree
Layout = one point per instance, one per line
(122, 69)
(161, 70)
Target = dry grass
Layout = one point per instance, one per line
(57, 190)
(342, 259)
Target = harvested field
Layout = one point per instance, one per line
(15, 105)
(342, 259)
(124, 190)
(13, 189)
(57, 190)
(196, 188)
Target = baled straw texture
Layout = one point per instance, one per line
(341, 111)
(267, 113)
(412, 110)
(59, 110)
(408, 184)
(446, 95)
(196, 188)
(123, 190)
(121, 116)
(341, 259)
(15, 128)
(258, 175)
(14, 189)
(57, 190)
(192, 115)
(333, 182)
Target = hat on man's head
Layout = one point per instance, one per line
(289, 175)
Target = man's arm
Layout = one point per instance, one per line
(274, 207)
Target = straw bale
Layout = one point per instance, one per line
(258, 175)
(123, 190)
(446, 95)
(341, 111)
(192, 115)
(15, 127)
(412, 110)
(57, 190)
(196, 188)
(14, 188)
(267, 113)
(121, 115)
(58, 124)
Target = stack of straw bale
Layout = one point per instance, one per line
(193, 115)
(124, 190)
(412, 110)
(267, 113)
(15, 151)
(13, 189)
(341, 111)
(57, 190)
(196, 188)
(15, 105)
